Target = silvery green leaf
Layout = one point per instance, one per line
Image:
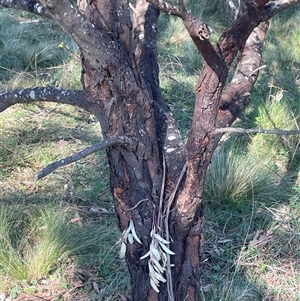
(154, 286)
(146, 255)
(164, 259)
(156, 254)
(130, 238)
(134, 234)
(125, 233)
(122, 250)
(151, 233)
(131, 224)
(157, 269)
(166, 249)
(157, 265)
(159, 277)
(160, 239)
(152, 273)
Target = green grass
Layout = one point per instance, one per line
(236, 177)
(275, 113)
(252, 186)
(41, 240)
(31, 52)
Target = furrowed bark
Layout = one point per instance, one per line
(236, 96)
(175, 10)
(145, 56)
(123, 101)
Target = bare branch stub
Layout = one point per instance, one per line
(82, 154)
(200, 33)
(52, 94)
(256, 131)
(198, 30)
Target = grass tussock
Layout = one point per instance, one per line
(36, 242)
(33, 252)
(237, 177)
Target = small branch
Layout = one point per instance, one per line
(167, 232)
(84, 153)
(256, 130)
(199, 31)
(274, 7)
(31, 6)
(52, 94)
(175, 10)
(257, 69)
(233, 39)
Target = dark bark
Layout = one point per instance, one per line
(51, 94)
(120, 78)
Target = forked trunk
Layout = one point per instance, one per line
(157, 182)
(127, 101)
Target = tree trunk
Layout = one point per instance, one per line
(127, 101)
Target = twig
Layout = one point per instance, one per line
(141, 201)
(256, 130)
(257, 69)
(275, 7)
(31, 6)
(162, 191)
(132, 8)
(166, 220)
(87, 151)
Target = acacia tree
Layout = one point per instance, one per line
(156, 180)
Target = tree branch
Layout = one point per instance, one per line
(84, 153)
(31, 6)
(236, 95)
(93, 42)
(275, 7)
(198, 30)
(256, 130)
(52, 94)
(233, 40)
(175, 10)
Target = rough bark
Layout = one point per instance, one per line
(120, 78)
